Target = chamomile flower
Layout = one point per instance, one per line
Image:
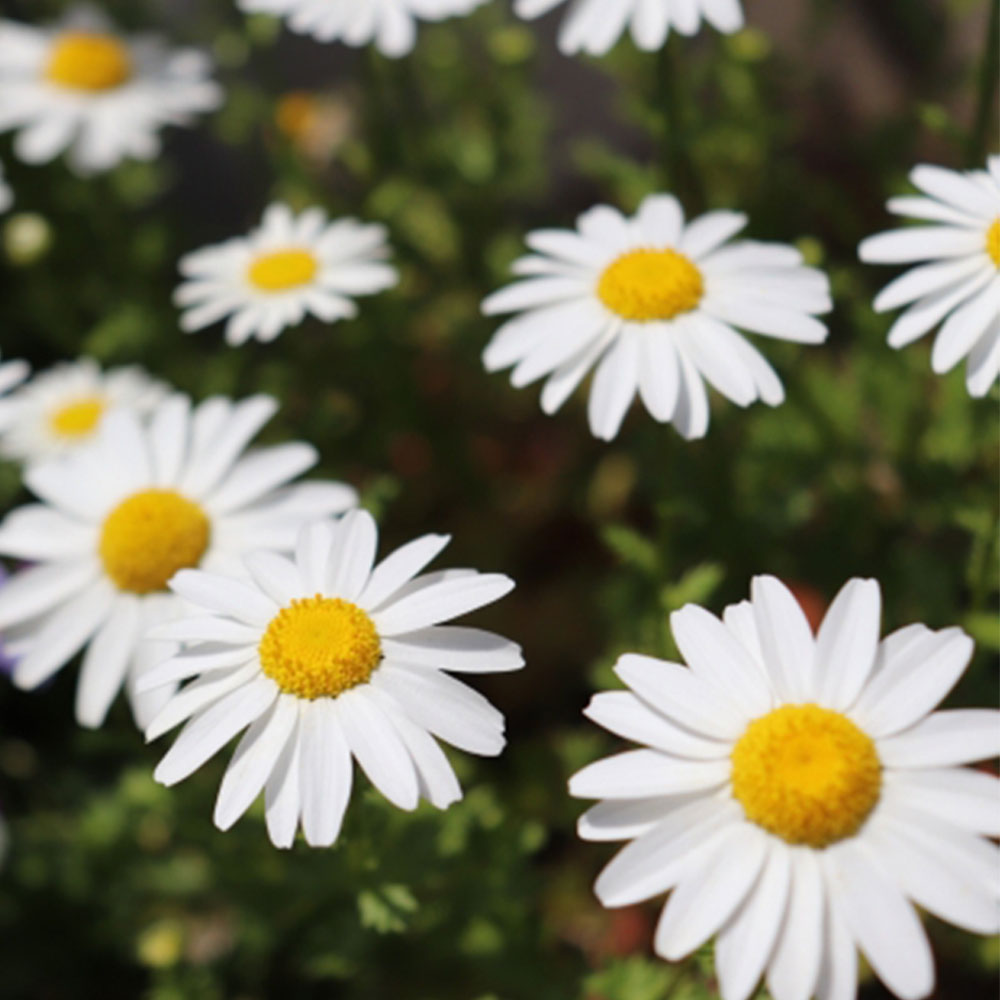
(593, 26)
(325, 660)
(957, 289)
(81, 87)
(391, 25)
(289, 267)
(119, 516)
(6, 194)
(797, 794)
(653, 303)
(62, 408)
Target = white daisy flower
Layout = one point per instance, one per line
(82, 87)
(390, 24)
(118, 517)
(652, 303)
(593, 26)
(797, 793)
(286, 269)
(957, 291)
(6, 194)
(326, 659)
(63, 407)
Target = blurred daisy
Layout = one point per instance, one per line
(959, 287)
(80, 86)
(798, 793)
(652, 303)
(390, 24)
(326, 659)
(62, 408)
(12, 374)
(118, 517)
(6, 194)
(289, 267)
(593, 26)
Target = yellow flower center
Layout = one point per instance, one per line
(284, 269)
(150, 536)
(645, 285)
(318, 647)
(993, 241)
(84, 60)
(806, 774)
(77, 419)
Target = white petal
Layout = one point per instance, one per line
(326, 771)
(952, 736)
(352, 555)
(106, 661)
(793, 970)
(455, 648)
(626, 819)
(970, 799)
(441, 602)
(282, 801)
(643, 773)
(847, 643)
(614, 386)
(276, 575)
(40, 588)
(785, 637)
(398, 568)
(224, 595)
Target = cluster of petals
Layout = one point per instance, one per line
(795, 913)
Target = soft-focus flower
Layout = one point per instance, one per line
(63, 407)
(120, 516)
(325, 659)
(6, 194)
(12, 373)
(390, 24)
(959, 287)
(652, 303)
(289, 267)
(798, 794)
(82, 87)
(593, 26)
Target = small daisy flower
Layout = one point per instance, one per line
(6, 194)
(797, 794)
(80, 86)
(118, 517)
(390, 24)
(326, 659)
(62, 408)
(957, 290)
(653, 303)
(593, 26)
(289, 267)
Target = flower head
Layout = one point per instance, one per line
(82, 87)
(797, 793)
(956, 287)
(288, 268)
(652, 303)
(326, 659)
(593, 26)
(117, 518)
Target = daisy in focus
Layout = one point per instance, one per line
(391, 25)
(653, 304)
(325, 660)
(593, 26)
(80, 87)
(63, 408)
(956, 287)
(797, 794)
(119, 516)
(288, 268)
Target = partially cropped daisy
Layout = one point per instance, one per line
(118, 517)
(593, 26)
(289, 267)
(797, 794)
(391, 25)
(80, 86)
(653, 303)
(328, 659)
(62, 408)
(957, 290)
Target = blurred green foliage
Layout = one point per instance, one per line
(116, 888)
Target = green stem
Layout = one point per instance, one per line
(678, 168)
(989, 74)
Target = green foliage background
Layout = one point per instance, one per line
(116, 888)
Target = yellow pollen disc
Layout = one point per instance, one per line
(806, 774)
(645, 285)
(284, 269)
(77, 419)
(149, 537)
(993, 242)
(83, 60)
(318, 647)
